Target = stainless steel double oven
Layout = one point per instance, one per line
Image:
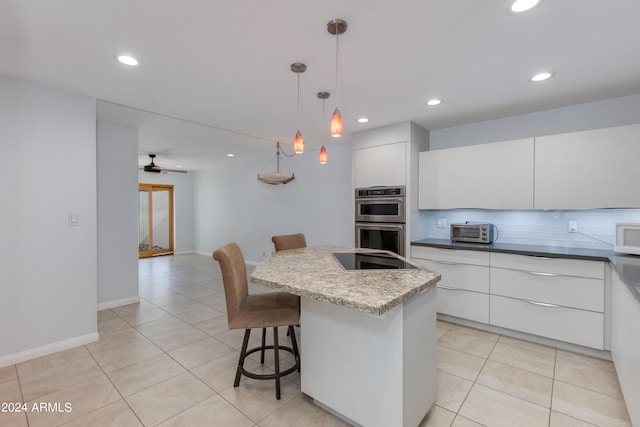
(380, 218)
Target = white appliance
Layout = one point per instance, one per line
(627, 238)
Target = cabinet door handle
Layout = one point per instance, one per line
(539, 257)
(537, 273)
(449, 288)
(446, 262)
(543, 304)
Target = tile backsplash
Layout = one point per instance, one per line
(538, 227)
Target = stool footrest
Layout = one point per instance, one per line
(269, 376)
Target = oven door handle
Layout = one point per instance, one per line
(380, 199)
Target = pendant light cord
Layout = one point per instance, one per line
(299, 122)
(337, 62)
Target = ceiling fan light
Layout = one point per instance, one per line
(336, 124)
(323, 155)
(298, 143)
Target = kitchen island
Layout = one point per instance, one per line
(368, 335)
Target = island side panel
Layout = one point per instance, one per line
(352, 362)
(419, 356)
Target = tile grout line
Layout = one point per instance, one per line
(116, 389)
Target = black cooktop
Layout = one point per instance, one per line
(372, 261)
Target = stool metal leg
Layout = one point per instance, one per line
(294, 344)
(277, 361)
(264, 342)
(243, 354)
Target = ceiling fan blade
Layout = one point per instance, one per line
(171, 170)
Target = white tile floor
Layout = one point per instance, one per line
(170, 360)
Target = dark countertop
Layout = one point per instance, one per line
(627, 265)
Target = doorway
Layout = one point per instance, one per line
(155, 220)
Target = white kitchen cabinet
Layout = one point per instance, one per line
(383, 165)
(489, 176)
(463, 290)
(566, 324)
(625, 344)
(557, 298)
(589, 169)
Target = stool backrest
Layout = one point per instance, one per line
(234, 277)
(289, 241)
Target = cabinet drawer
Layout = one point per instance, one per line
(462, 276)
(450, 255)
(569, 267)
(569, 291)
(561, 323)
(464, 304)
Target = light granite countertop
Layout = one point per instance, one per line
(314, 272)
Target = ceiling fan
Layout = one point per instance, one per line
(152, 168)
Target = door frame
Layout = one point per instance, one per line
(149, 188)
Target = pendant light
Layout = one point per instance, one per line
(298, 141)
(323, 151)
(323, 155)
(337, 27)
(277, 177)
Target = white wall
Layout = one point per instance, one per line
(48, 269)
(539, 226)
(183, 205)
(594, 115)
(231, 205)
(117, 164)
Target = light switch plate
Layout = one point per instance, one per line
(74, 219)
(441, 222)
(573, 226)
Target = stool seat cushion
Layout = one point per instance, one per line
(267, 310)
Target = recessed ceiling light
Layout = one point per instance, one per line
(127, 60)
(520, 6)
(541, 77)
(363, 120)
(433, 102)
(230, 155)
(178, 166)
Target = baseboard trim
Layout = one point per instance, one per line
(45, 350)
(203, 253)
(185, 252)
(118, 303)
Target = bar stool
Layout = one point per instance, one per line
(266, 310)
(283, 243)
(289, 241)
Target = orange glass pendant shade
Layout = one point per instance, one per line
(298, 143)
(323, 155)
(336, 124)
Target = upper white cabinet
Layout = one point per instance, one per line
(590, 169)
(384, 165)
(488, 176)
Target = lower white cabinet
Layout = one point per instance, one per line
(566, 324)
(463, 290)
(625, 344)
(556, 298)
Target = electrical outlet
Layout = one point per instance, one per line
(441, 222)
(573, 226)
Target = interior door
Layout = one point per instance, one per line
(155, 219)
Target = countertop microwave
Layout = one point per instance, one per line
(627, 238)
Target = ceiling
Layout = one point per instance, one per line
(214, 76)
